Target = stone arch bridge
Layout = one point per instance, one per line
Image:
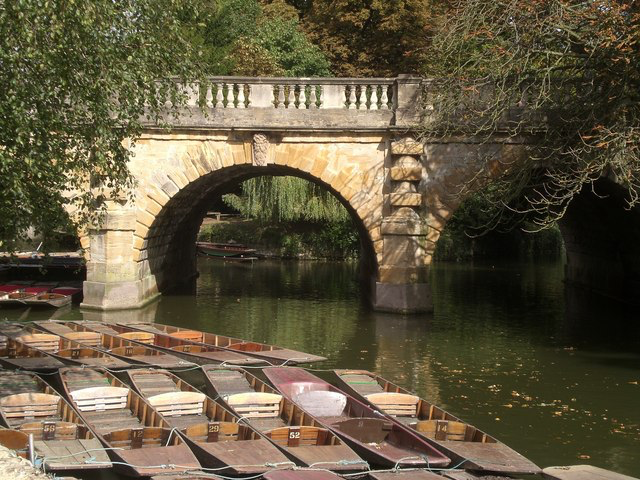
(351, 136)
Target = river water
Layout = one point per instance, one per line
(552, 372)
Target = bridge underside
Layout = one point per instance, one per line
(602, 242)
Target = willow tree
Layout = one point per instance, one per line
(287, 199)
(78, 77)
(569, 68)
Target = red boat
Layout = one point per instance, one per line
(374, 437)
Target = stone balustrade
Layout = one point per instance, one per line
(294, 103)
(290, 93)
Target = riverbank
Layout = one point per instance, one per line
(17, 468)
(300, 240)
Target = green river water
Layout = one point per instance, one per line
(552, 372)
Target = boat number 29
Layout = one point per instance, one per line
(214, 428)
(294, 434)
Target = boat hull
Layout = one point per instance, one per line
(379, 441)
(485, 454)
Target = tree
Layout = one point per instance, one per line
(287, 199)
(370, 37)
(247, 38)
(573, 65)
(78, 76)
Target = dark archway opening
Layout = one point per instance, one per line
(171, 242)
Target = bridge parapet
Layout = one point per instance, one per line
(243, 103)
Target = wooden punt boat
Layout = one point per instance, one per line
(28, 405)
(459, 440)
(195, 352)
(226, 250)
(15, 354)
(108, 341)
(296, 432)
(134, 432)
(75, 293)
(16, 299)
(66, 350)
(213, 433)
(375, 438)
(271, 354)
(48, 300)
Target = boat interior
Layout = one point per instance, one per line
(268, 412)
(411, 410)
(190, 411)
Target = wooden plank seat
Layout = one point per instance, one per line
(190, 335)
(320, 403)
(93, 339)
(154, 384)
(363, 384)
(365, 430)
(395, 404)
(44, 341)
(213, 432)
(442, 429)
(14, 382)
(297, 436)
(173, 404)
(263, 424)
(142, 337)
(98, 399)
(23, 407)
(255, 404)
(229, 382)
(80, 379)
(97, 327)
(59, 328)
(107, 420)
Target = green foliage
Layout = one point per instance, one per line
(245, 38)
(465, 237)
(291, 50)
(77, 76)
(573, 65)
(337, 240)
(286, 199)
(296, 217)
(370, 37)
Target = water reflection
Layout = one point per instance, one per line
(552, 372)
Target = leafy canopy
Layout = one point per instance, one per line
(371, 37)
(246, 38)
(574, 65)
(77, 77)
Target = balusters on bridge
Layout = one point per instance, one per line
(299, 94)
(368, 97)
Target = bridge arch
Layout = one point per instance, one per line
(177, 176)
(176, 199)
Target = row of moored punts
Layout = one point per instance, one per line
(38, 295)
(98, 396)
